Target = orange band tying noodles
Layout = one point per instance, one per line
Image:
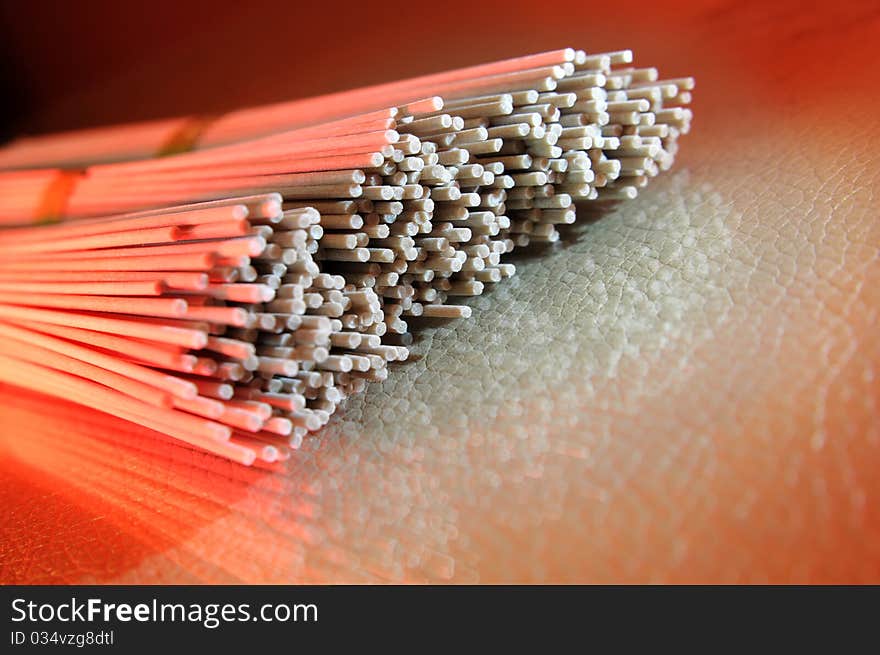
(186, 137)
(56, 196)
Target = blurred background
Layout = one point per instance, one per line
(720, 427)
(70, 65)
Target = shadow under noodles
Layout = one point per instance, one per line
(468, 464)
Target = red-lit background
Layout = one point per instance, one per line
(80, 507)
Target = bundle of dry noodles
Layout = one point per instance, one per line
(230, 281)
